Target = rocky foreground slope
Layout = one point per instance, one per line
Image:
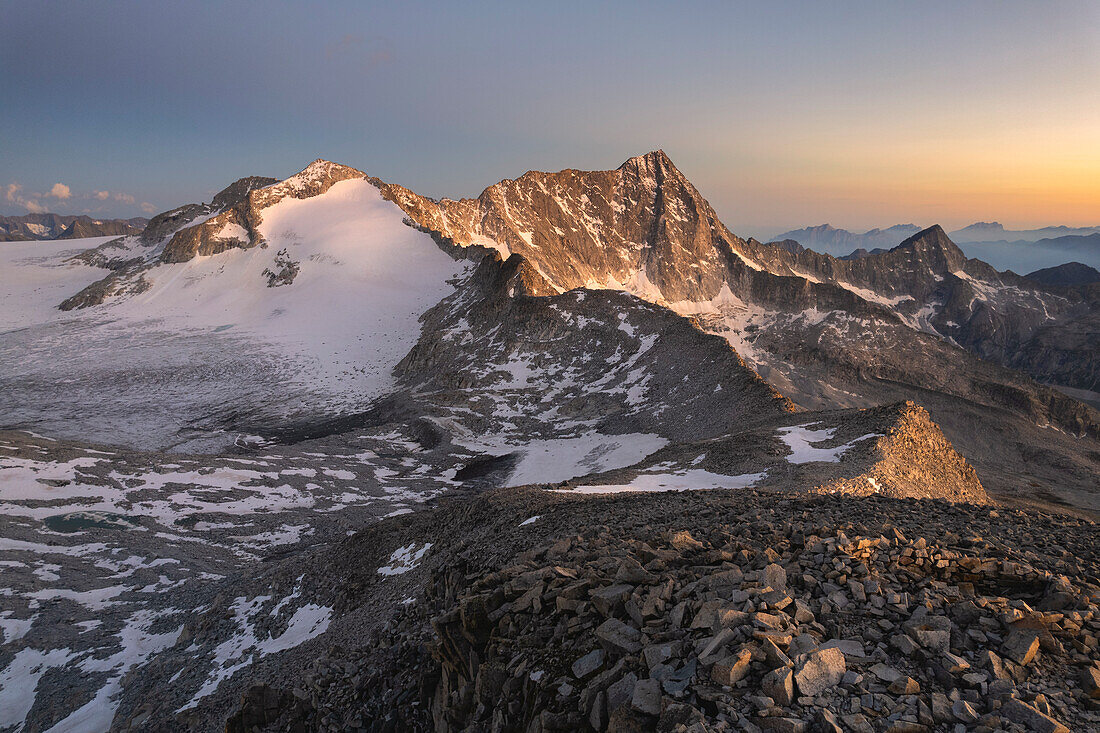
(526, 609)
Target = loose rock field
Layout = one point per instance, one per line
(708, 611)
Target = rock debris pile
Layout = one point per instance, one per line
(715, 611)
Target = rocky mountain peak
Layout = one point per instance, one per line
(935, 247)
(238, 210)
(985, 227)
(638, 227)
(315, 178)
(654, 163)
(239, 189)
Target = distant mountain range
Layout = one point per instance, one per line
(1019, 250)
(993, 231)
(830, 240)
(57, 226)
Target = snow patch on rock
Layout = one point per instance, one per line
(800, 439)
(404, 559)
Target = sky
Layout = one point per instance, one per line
(783, 114)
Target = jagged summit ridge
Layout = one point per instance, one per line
(639, 227)
(646, 229)
(932, 248)
(314, 178)
(655, 164)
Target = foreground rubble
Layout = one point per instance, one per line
(708, 611)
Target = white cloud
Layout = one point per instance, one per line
(32, 202)
(11, 193)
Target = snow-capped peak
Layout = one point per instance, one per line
(319, 171)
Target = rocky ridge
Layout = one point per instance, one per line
(893, 450)
(643, 227)
(603, 359)
(166, 237)
(239, 211)
(230, 221)
(1070, 274)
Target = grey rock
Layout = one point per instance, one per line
(619, 638)
(1020, 712)
(732, 669)
(589, 664)
(964, 711)
(819, 671)
(655, 654)
(647, 697)
(775, 576)
(779, 685)
(608, 598)
(1021, 646)
(849, 647)
(621, 692)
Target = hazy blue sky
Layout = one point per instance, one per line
(783, 114)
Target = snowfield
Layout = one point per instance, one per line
(106, 553)
(209, 340)
(695, 479)
(354, 308)
(104, 556)
(35, 277)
